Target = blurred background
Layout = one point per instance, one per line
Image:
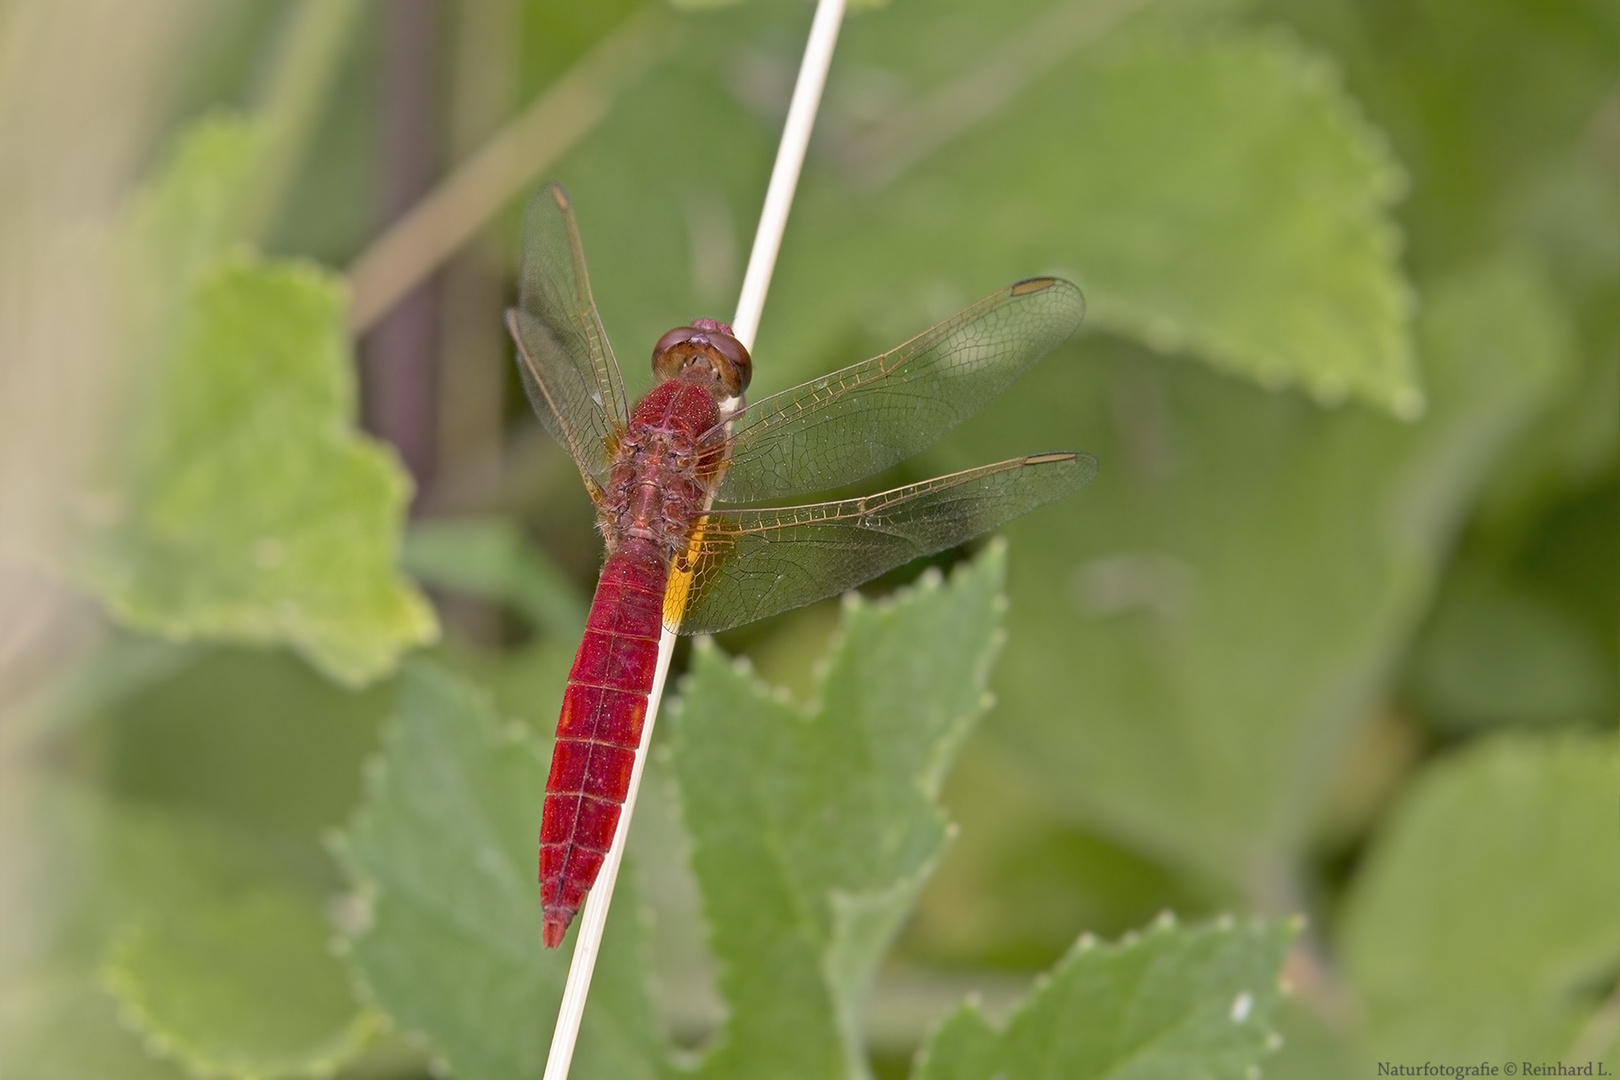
(1333, 633)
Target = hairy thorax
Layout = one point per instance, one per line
(664, 470)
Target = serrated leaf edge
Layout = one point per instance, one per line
(159, 1043)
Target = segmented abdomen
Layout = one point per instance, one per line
(599, 730)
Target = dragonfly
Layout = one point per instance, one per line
(665, 472)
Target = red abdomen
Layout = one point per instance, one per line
(599, 730)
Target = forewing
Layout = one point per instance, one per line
(750, 564)
(563, 354)
(859, 421)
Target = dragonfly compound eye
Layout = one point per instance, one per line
(706, 353)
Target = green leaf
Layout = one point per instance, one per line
(253, 512)
(198, 984)
(1201, 632)
(813, 828)
(1216, 194)
(1495, 125)
(444, 849)
(1492, 121)
(248, 738)
(192, 213)
(1292, 274)
(1192, 1003)
(223, 967)
(56, 1024)
(221, 957)
(1484, 922)
(489, 558)
(236, 501)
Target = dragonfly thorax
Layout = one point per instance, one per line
(666, 465)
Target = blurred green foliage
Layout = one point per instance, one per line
(245, 507)
(1334, 632)
(444, 847)
(826, 813)
(1526, 815)
(1168, 1003)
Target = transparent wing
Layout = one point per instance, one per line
(563, 354)
(749, 564)
(858, 421)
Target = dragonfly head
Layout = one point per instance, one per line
(704, 354)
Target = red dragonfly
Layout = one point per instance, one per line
(655, 469)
